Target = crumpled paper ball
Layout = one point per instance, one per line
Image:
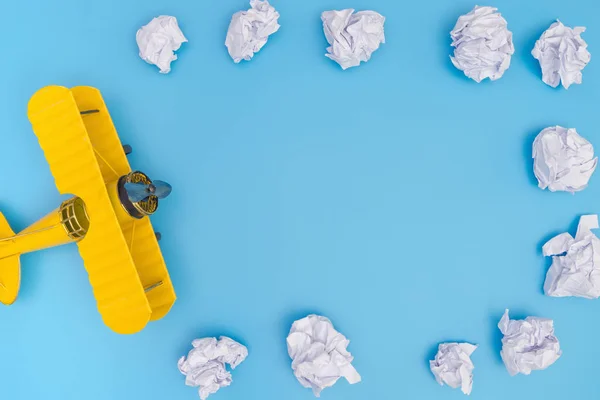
(528, 344)
(353, 37)
(453, 366)
(204, 366)
(158, 41)
(575, 269)
(562, 54)
(319, 355)
(563, 160)
(249, 30)
(482, 44)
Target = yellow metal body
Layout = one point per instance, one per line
(47, 232)
(126, 269)
(54, 229)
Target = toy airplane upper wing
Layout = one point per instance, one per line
(102, 133)
(121, 254)
(138, 232)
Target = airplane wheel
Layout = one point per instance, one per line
(158, 236)
(127, 149)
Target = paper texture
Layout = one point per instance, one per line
(562, 54)
(563, 160)
(352, 37)
(319, 355)
(204, 366)
(483, 44)
(575, 269)
(249, 30)
(159, 40)
(453, 366)
(528, 344)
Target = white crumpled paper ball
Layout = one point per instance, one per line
(563, 160)
(319, 355)
(249, 30)
(353, 37)
(204, 366)
(158, 40)
(483, 44)
(575, 269)
(528, 344)
(453, 366)
(562, 54)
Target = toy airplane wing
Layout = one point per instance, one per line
(69, 145)
(138, 234)
(102, 133)
(150, 265)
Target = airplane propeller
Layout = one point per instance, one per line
(139, 191)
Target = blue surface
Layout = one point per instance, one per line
(396, 198)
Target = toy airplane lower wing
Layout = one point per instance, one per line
(119, 248)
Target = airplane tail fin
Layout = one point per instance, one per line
(10, 268)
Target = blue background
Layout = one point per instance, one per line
(396, 198)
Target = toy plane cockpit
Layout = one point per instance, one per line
(108, 217)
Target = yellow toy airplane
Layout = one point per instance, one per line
(119, 248)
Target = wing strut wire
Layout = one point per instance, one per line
(107, 164)
(132, 235)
